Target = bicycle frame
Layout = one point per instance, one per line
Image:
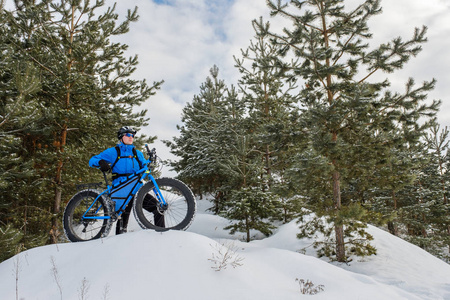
(139, 177)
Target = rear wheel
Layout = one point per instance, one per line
(177, 214)
(76, 227)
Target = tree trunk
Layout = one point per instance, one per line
(340, 246)
(441, 171)
(61, 142)
(338, 228)
(247, 229)
(217, 200)
(267, 160)
(55, 233)
(392, 227)
(267, 117)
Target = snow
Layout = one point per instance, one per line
(144, 264)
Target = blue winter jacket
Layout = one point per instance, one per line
(125, 165)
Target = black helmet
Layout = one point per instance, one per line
(124, 130)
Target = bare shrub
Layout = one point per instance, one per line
(56, 277)
(224, 256)
(17, 268)
(105, 295)
(309, 288)
(83, 289)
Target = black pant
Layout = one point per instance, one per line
(149, 204)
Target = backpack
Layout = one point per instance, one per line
(116, 175)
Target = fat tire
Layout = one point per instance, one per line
(181, 205)
(73, 224)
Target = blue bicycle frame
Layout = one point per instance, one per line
(137, 180)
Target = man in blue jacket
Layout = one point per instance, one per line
(123, 160)
(130, 159)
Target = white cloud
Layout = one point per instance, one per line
(164, 115)
(181, 41)
(399, 18)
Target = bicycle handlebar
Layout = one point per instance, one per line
(104, 176)
(151, 153)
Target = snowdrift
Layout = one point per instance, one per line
(144, 264)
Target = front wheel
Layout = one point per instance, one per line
(177, 214)
(97, 224)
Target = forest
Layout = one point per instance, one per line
(307, 132)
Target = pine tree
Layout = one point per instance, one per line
(249, 204)
(85, 90)
(219, 156)
(19, 81)
(250, 208)
(267, 95)
(267, 87)
(437, 144)
(205, 137)
(9, 236)
(353, 124)
(425, 216)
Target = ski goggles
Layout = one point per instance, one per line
(129, 135)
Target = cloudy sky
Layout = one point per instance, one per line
(180, 40)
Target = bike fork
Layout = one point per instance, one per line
(161, 201)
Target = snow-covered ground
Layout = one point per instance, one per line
(144, 264)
